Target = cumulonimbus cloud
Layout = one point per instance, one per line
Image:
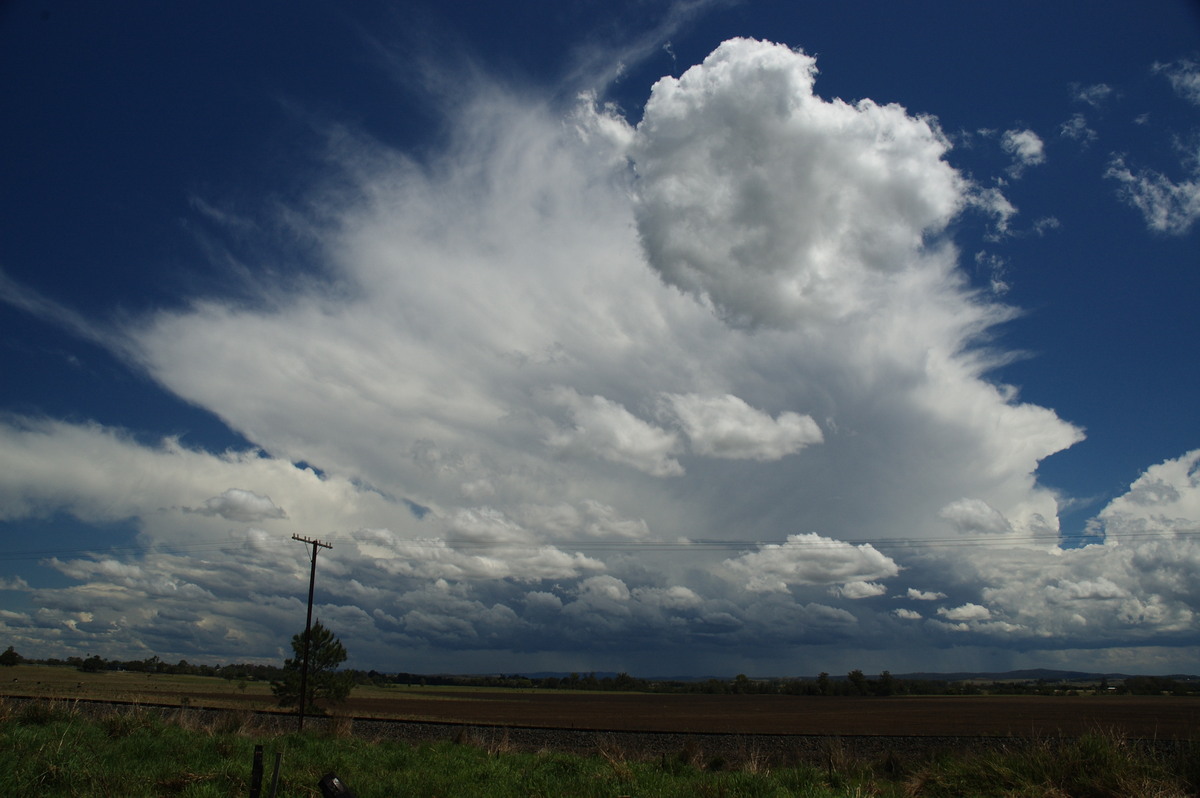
(530, 333)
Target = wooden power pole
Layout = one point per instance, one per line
(312, 581)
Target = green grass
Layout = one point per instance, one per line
(53, 749)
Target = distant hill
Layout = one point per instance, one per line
(1029, 675)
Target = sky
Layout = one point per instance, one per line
(670, 338)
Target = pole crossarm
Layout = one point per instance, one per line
(312, 581)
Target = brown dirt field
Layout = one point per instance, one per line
(1161, 717)
(1033, 716)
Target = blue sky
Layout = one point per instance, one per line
(753, 337)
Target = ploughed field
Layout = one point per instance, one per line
(1007, 716)
(1150, 717)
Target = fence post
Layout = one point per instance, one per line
(275, 774)
(256, 773)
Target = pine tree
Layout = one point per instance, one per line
(325, 683)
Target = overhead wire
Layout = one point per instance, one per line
(700, 544)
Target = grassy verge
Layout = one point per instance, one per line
(53, 749)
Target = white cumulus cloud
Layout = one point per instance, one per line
(236, 504)
(859, 589)
(810, 559)
(774, 204)
(725, 426)
(967, 612)
(604, 428)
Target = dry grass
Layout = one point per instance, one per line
(339, 726)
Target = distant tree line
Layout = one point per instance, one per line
(854, 683)
(153, 665)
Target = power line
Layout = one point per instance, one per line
(620, 545)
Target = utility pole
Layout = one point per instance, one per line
(312, 580)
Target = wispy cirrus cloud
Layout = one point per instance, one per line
(1026, 148)
(1184, 76)
(1094, 94)
(1078, 129)
(1168, 205)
